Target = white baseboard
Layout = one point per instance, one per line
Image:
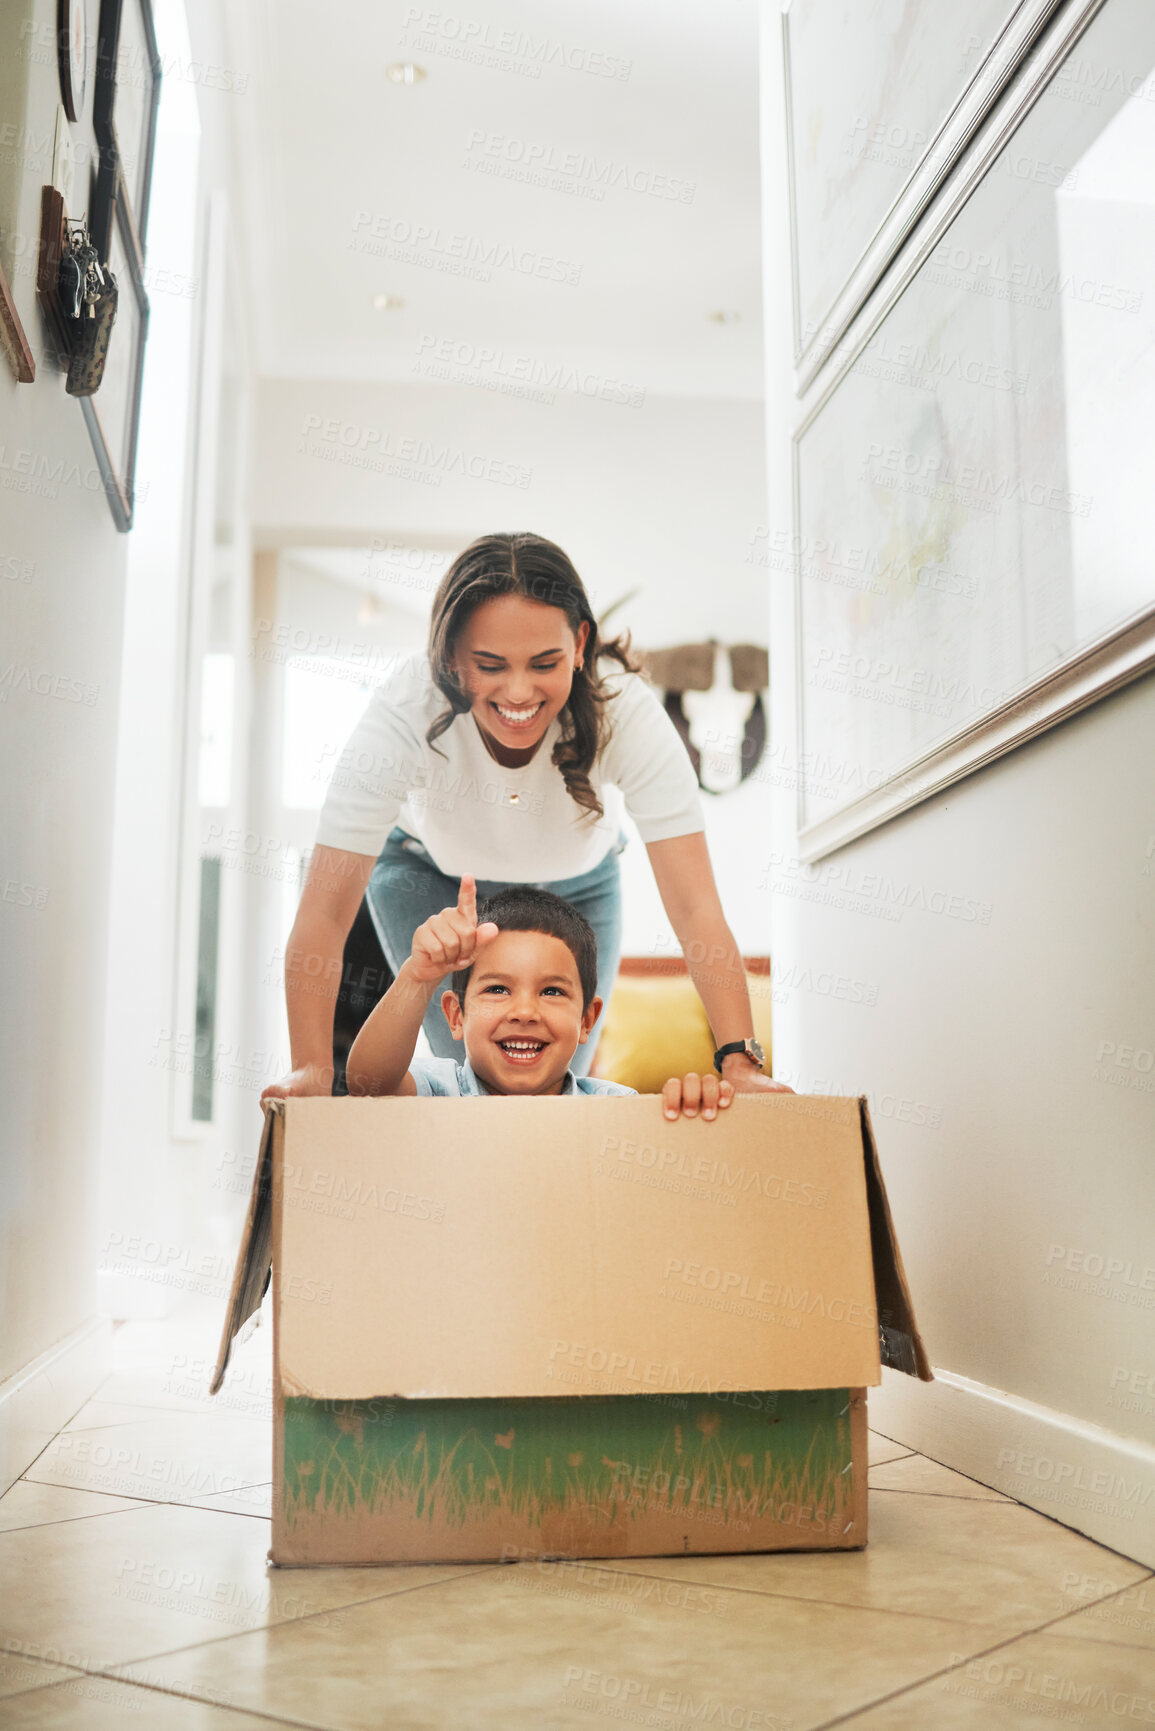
(40, 1399)
(1088, 1478)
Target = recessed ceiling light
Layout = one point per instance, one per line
(722, 316)
(387, 303)
(404, 72)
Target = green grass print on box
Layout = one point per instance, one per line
(727, 1457)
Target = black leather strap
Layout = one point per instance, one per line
(733, 1046)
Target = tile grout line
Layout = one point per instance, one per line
(761, 1592)
(309, 1725)
(62, 1520)
(211, 1409)
(143, 1500)
(309, 1617)
(473, 1571)
(115, 1674)
(52, 1439)
(947, 1670)
(1093, 1605)
(130, 1423)
(242, 1514)
(948, 1496)
(157, 1689)
(797, 1598)
(35, 1659)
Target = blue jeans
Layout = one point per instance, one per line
(407, 887)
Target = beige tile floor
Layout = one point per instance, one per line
(134, 1591)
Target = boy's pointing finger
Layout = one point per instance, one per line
(467, 899)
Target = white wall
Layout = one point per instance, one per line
(61, 592)
(1006, 1052)
(136, 1206)
(167, 1211)
(667, 496)
(99, 629)
(667, 499)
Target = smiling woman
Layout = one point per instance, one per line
(507, 756)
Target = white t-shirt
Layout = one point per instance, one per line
(507, 825)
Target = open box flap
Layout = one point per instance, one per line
(900, 1342)
(254, 1258)
(539, 1247)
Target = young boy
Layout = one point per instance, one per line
(524, 998)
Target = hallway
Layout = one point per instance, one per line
(816, 338)
(134, 1548)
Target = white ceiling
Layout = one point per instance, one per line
(401, 578)
(323, 135)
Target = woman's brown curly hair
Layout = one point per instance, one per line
(529, 565)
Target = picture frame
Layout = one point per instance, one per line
(128, 72)
(52, 246)
(908, 156)
(13, 337)
(113, 413)
(924, 653)
(72, 54)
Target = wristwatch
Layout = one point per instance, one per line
(752, 1049)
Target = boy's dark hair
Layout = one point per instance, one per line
(523, 908)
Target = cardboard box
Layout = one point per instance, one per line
(525, 1327)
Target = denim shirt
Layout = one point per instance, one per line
(446, 1078)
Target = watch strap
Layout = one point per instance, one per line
(734, 1046)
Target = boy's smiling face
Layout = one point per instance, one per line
(523, 1018)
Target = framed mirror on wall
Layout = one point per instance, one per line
(125, 102)
(125, 105)
(971, 480)
(862, 122)
(113, 412)
(72, 55)
(14, 101)
(874, 131)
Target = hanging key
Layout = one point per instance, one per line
(71, 285)
(93, 285)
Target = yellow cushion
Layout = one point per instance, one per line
(656, 1027)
